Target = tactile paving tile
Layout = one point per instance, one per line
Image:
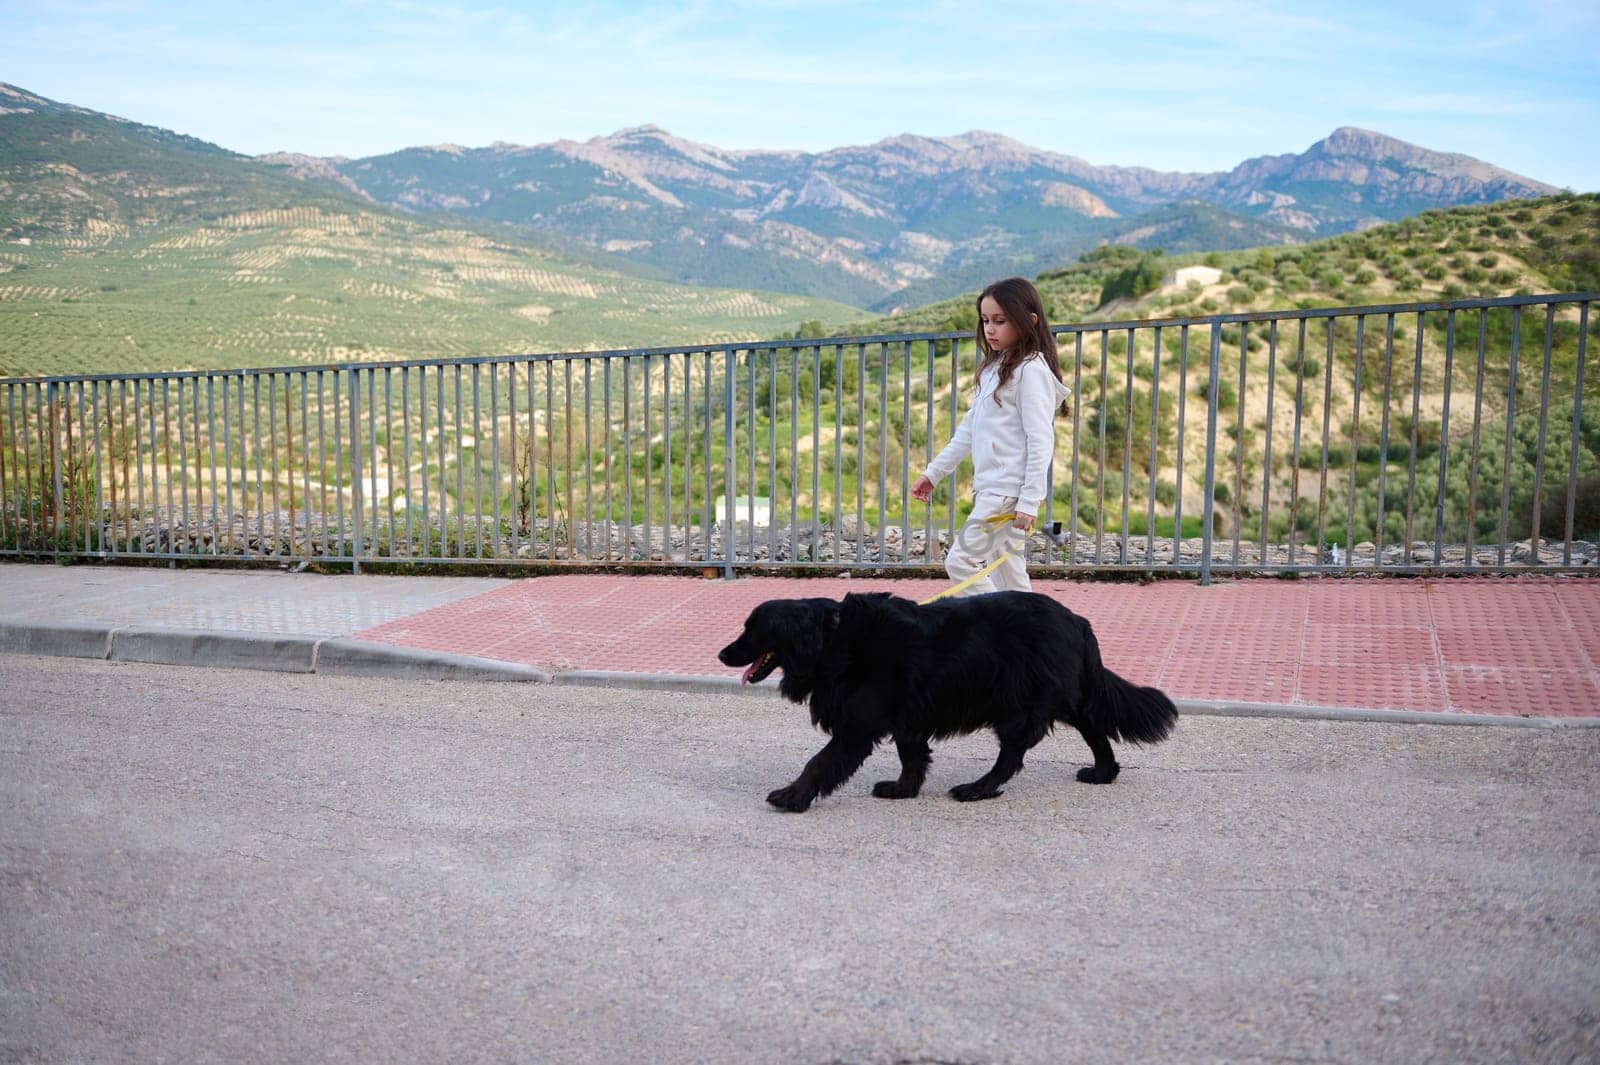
(1525, 692)
(1136, 658)
(1581, 602)
(1394, 645)
(1129, 613)
(1372, 686)
(1505, 605)
(1247, 601)
(1254, 642)
(1556, 647)
(1369, 603)
(1229, 680)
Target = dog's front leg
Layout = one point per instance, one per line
(828, 768)
(914, 759)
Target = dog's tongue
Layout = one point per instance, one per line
(750, 670)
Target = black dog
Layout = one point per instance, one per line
(875, 666)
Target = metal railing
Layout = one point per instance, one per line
(1268, 442)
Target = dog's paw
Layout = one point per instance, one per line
(1093, 774)
(792, 799)
(974, 792)
(892, 789)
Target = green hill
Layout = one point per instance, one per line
(124, 248)
(1545, 245)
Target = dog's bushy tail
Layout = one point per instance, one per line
(1123, 710)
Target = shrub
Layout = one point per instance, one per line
(1113, 413)
(1227, 398)
(1135, 281)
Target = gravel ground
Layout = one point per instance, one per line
(216, 865)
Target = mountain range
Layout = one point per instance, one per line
(910, 218)
(885, 226)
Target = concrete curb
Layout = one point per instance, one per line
(339, 657)
(236, 650)
(59, 641)
(361, 658)
(684, 682)
(1209, 708)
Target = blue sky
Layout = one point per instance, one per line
(1196, 85)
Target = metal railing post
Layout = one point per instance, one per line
(729, 535)
(1208, 488)
(356, 500)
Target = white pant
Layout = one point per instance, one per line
(976, 545)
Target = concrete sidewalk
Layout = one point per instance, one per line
(1458, 649)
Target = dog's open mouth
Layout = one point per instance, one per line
(758, 669)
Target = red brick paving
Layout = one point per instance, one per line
(1525, 646)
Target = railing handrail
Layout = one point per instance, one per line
(1071, 328)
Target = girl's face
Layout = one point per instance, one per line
(998, 331)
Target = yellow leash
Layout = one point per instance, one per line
(993, 522)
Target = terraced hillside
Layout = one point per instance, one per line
(126, 247)
(1546, 245)
(311, 285)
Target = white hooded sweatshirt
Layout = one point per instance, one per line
(1012, 442)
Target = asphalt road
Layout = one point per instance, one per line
(215, 865)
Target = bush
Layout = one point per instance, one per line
(1586, 512)
(1240, 294)
(1227, 398)
(1135, 281)
(1113, 413)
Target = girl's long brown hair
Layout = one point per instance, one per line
(1024, 309)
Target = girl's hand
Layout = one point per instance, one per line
(922, 490)
(1022, 521)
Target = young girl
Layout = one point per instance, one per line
(1010, 433)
